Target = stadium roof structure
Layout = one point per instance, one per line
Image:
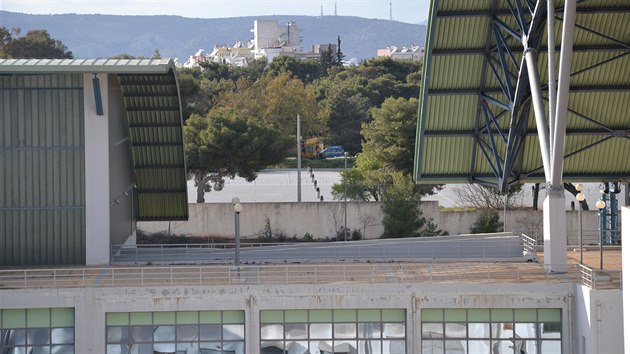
(477, 122)
(153, 110)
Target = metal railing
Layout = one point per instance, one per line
(598, 279)
(460, 248)
(529, 247)
(432, 273)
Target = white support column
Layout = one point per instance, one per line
(625, 271)
(539, 110)
(97, 203)
(555, 231)
(551, 62)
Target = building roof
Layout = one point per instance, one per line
(153, 108)
(476, 124)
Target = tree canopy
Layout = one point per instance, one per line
(36, 44)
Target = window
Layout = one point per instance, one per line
(491, 331)
(374, 331)
(183, 332)
(45, 330)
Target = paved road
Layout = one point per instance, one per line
(502, 247)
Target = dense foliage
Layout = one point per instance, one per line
(36, 44)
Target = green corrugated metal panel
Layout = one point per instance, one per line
(451, 98)
(155, 129)
(42, 201)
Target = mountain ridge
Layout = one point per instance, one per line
(100, 36)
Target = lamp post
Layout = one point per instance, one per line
(345, 197)
(580, 198)
(600, 206)
(237, 232)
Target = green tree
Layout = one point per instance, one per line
(223, 144)
(305, 70)
(487, 222)
(36, 44)
(327, 58)
(402, 216)
(339, 55)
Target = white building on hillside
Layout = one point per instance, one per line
(272, 39)
(413, 52)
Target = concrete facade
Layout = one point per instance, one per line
(92, 304)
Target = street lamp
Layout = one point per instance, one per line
(600, 206)
(580, 198)
(237, 232)
(345, 197)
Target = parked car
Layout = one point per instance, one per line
(332, 151)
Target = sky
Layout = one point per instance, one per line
(410, 11)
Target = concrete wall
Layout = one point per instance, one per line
(91, 304)
(97, 199)
(625, 266)
(598, 321)
(323, 219)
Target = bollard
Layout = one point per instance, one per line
(315, 184)
(317, 192)
(321, 199)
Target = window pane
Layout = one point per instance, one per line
(525, 330)
(296, 330)
(117, 319)
(550, 330)
(164, 318)
(62, 349)
(455, 315)
(274, 347)
(14, 337)
(320, 315)
(187, 348)
(432, 347)
(479, 330)
(187, 333)
(345, 346)
(525, 315)
(344, 315)
(369, 330)
(140, 318)
(322, 346)
(551, 347)
(142, 333)
(479, 315)
(501, 315)
(502, 347)
(295, 316)
(62, 335)
(237, 317)
(455, 330)
(210, 317)
(478, 347)
(271, 316)
(530, 347)
(210, 331)
(503, 330)
(117, 349)
(159, 348)
(210, 348)
(455, 346)
(271, 331)
(345, 330)
(393, 330)
(233, 332)
(38, 318)
(394, 347)
(164, 334)
(394, 315)
(14, 318)
(369, 315)
(369, 347)
(117, 334)
(432, 315)
(432, 330)
(188, 317)
(297, 347)
(38, 336)
(62, 317)
(321, 331)
(549, 315)
(38, 350)
(18, 350)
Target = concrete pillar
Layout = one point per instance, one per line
(625, 269)
(555, 231)
(97, 203)
(90, 325)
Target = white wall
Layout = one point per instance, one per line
(599, 321)
(319, 219)
(625, 266)
(97, 202)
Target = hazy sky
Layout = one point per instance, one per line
(411, 11)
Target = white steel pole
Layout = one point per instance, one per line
(551, 56)
(539, 110)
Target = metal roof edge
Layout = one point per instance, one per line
(104, 66)
(425, 90)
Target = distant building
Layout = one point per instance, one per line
(413, 52)
(272, 39)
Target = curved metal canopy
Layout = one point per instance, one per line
(476, 122)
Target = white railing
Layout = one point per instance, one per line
(473, 273)
(598, 279)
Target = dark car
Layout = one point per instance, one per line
(332, 151)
